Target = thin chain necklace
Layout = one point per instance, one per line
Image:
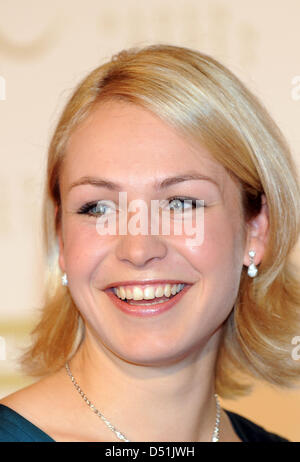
(121, 436)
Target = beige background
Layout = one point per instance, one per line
(45, 49)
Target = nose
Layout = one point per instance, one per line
(141, 249)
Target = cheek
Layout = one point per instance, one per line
(218, 262)
(220, 257)
(84, 248)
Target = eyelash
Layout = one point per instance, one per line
(85, 209)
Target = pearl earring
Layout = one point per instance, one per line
(64, 280)
(252, 269)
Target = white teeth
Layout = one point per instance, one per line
(174, 289)
(149, 293)
(159, 291)
(122, 293)
(154, 303)
(138, 293)
(129, 295)
(167, 291)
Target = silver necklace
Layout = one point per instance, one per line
(121, 436)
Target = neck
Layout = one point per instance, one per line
(166, 402)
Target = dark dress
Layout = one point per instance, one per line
(15, 428)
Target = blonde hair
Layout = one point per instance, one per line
(204, 100)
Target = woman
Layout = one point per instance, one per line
(150, 328)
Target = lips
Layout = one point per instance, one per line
(145, 283)
(143, 310)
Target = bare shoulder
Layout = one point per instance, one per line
(42, 402)
(34, 395)
(52, 405)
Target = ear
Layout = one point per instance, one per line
(61, 258)
(257, 234)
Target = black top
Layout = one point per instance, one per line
(249, 432)
(15, 428)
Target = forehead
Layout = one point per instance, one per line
(132, 145)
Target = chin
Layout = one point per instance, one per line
(150, 354)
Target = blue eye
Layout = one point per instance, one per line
(180, 202)
(177, 204)
(93, 208)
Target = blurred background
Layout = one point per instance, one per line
(46, 48)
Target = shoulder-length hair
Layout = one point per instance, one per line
(203, 100)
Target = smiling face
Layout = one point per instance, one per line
(129, 146)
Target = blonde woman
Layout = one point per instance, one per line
(141, 332)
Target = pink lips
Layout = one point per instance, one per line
(146, 310)
(145, 282)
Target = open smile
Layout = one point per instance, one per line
(144, 307)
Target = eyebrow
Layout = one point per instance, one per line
(157, 185)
